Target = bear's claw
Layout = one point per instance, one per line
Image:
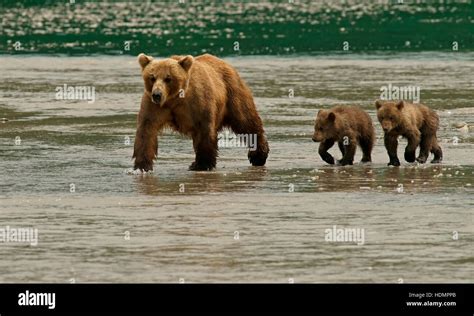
(143, 166)
(410, 156)
(257, 158)
(200, 167)
(394, 162)
(343, 162)
(421, 159)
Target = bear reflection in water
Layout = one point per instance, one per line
(246, 179)
(364, 177)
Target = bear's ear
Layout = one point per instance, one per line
(144, 60)
(186, 62)
(332, 117)
(378, 104)
(400, 105)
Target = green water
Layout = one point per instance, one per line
(218, 27)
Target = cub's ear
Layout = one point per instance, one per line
(400, 105)
(186, 62)
(144, 60)
(378, 104)
(332, 117)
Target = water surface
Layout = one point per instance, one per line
(280, 211)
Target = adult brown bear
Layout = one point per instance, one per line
(196, 97)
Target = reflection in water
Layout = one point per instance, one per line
(201, 182)
(413, 179)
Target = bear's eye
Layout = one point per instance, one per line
(152, 78)
(167, 80)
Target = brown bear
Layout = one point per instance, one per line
(196, 97)
(417, 123)
(349, 126)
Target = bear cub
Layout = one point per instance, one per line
(417, 123)
(349, 126)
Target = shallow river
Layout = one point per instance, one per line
(238, 223)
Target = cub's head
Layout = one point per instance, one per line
(166, 78)
(389, 114)
(325, 126)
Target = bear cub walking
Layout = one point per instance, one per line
(417, 123)
(349, 126)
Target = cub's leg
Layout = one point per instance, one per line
(324, 146)
(349, 152)
(391, 144)
(436, 150)
(425, 146)
(413, 142)
(366, 143)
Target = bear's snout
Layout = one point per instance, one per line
(316, 138)
(156, 96)
(386, 126)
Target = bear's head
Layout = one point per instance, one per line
(325, 126)
(389, 114)
(167, 78)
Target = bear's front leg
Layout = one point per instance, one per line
(151, 120)
(145, 147)
(205, 146)
(413, 142)
(323, 151)
(391, 144)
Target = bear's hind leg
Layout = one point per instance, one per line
(258, 155)
(250, 125)
(349, 152)
(366, 144)
(425, 145)
(437, 151)
(242, 116)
